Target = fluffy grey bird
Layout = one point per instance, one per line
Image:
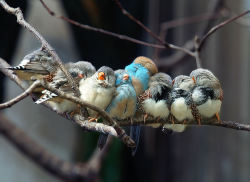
(180, 98)
(207, 94)
(154, 100)
(99, 89)
(79, 71)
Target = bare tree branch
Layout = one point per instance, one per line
(215, 28)
(99, 30)
(167, 45)
(20, 97)
(115, 130)
(20, 19)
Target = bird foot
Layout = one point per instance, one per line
(91, 119)
(184, 121)
(172, 119)
(218, 117)
(144, 118)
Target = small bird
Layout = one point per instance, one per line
(207, 94)
(99, 89)
(36, 65)
(154, 101)
(79, 70)
(123, 104)
(140, 70)
(180, 98)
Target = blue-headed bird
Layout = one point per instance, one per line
(123, 105)
(140, 71)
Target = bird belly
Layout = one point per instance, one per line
(64, 106)
(124, 109)
(175, 127)
(209, 108)
(196, 95)
(156, 109)
(181, 110)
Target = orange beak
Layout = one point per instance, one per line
(101, 76)
(173, 82)
(81, 75)
(125, 77)
(194, 80)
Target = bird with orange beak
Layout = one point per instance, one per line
(207, 94)
(98, 90)
(80, 70)
(123, 104)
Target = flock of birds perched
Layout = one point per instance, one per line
(138, 89)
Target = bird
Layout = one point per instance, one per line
(78, 70)
(98, 90)
(180, 98)
(140, 71)
(37, 65)
(154, 101)
(123, 104)
(207, 94)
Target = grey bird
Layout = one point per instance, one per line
(154, 101)
(180, 98)
(207, 94)
(36, 65)
(99, 89)
(79, 70)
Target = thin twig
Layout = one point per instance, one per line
(120, 132)
(20, 19)
(167, 45)
(20, 97)
(215, 28)
(99, 30)
(114, 129)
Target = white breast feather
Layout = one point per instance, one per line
(180, 110)
(196, 95)
(209, 108)
(24, 62)
(64, 106)
(156, 109)
(98, 96)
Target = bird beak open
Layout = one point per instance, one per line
(194, 80)
(173, 82)
(101, 76)
(81, 75)
(125, 77)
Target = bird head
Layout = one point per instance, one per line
(147, 63)
(183, 82)
(105, 77)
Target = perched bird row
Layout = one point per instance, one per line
(138, 89)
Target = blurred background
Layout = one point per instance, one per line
(200, 154)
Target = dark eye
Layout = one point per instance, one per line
(74, 74)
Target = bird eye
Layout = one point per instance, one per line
(74, 74)
(101, 76)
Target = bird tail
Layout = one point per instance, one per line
(102, 141)
(46, 96)
(17, 68)
(135, 135)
